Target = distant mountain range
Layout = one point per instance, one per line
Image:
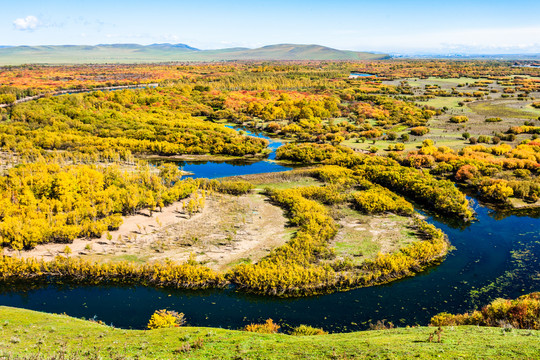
(134, 53)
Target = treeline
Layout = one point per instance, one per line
(47, 78)
(391, 111)
(521, 313)
(180, 276)
(274, 105)
(310, 153)
(148, 121)
(439, 195)
(261, 75)
(173, 119)
(495, 172)
(8, 94)
(490, 69)
(311, 117)
(47, 202)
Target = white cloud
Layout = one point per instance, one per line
(28, 23)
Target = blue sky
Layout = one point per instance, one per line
(388, 26)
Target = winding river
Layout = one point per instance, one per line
(496, 256)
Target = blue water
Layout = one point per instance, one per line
(482, 256)
(215, 169)
(273, 144)
(496, 256)
(363, 74)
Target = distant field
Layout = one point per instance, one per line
(452, 82)
(505, 108)
(449, 102)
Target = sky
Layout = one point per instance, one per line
(390, 26)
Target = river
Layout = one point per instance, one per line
(216, 169)
(495, 256)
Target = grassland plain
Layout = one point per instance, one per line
(505, 108)
(459, 100)
(28, 334)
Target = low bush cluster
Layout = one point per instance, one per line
(521, 313)
(419, 130)
(268, 327)
(165, 319)
(306, 330)
(459, 119)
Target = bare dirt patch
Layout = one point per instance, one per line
(229, 230)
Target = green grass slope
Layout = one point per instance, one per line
(25, 333)
(133, 53)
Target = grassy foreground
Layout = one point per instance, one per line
(25, 334)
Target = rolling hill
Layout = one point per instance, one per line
(134, 53)
(29, 334)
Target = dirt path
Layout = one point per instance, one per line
(229, 230)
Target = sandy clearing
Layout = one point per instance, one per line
(229, 230)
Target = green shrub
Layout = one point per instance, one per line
(484, 139)
(419, 130)
(459, 119)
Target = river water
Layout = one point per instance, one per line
(496, 256)
(216, 169)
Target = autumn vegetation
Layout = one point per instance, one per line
(308, 265)
(521, 313)
(74, 165)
